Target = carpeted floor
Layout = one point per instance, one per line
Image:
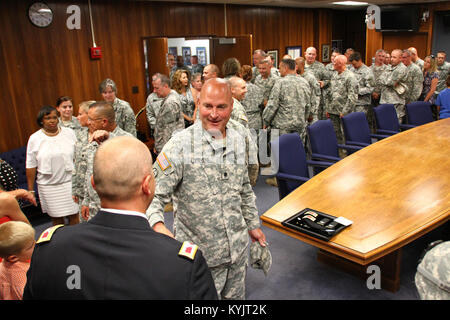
(297, 275)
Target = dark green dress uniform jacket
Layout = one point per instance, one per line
(115, 256)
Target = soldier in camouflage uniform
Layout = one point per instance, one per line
(238, 91)
(326, 86)
(318, 69)
(64, 106)
(102, 124)
(365, 79)
(258, 56)
(83, 135)
(394, 77)
(170, 116)
(289, 102)
(433, 273)
(377, 69)
(314, 87)
(204, 170)
(443, 67)
(415, 58)
(252, 101)
(414, 79)
(152, 106)
(344, 95)
(125, 117)
(265, 80)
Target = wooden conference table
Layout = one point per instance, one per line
(395, 191)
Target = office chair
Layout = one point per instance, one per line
(387, 120)
(288, 153)
(323, 141)
(356, 130)
(418, 113)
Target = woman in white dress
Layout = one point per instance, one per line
(50, 152)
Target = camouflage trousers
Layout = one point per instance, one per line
(254, 120)
(229, 279)
(370, 115)
(400, 109)
(337, 125)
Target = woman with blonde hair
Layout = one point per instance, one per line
(430, 79)
(180, 83)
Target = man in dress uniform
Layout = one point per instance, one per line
(116, 255)
(204, 169)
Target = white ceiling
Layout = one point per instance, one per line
(307, 3)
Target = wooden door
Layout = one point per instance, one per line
(155, 60)
(239, 48)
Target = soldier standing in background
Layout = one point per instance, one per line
(344, 95)
(377, 69)
(265, 79)
(170, 117)
(414, 79)
(365, 79)
(314, 90)
(125, 117)
(393, 82)
(289, 102)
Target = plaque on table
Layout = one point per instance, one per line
(316, 224)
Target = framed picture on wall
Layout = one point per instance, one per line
(294, 52)
(186, 51)
(174, 51)
(274, 54)
(201, 54)
(326, 48)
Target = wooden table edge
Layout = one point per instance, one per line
(351, 254)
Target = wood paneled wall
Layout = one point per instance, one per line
(40, 64)
(421, 40)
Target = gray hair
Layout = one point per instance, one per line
(107, 83)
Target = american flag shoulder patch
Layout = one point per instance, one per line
(163, 162)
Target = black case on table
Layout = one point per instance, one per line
(299, 223)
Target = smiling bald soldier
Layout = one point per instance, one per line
(116, 255)
(204, 169)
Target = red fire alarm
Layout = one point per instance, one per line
(96, 52)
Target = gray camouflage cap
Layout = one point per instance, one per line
(433, 273)
(260, 257)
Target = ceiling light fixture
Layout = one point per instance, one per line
(350, 3)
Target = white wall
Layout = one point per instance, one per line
(193, 44)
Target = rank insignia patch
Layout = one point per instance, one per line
(48, 233)
(188, 250)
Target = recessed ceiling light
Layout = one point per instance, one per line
(350, 3)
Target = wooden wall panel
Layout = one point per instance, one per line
(421, 40)
(40, 64)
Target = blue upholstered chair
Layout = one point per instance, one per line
(323, 142)
(288, 153)
(387, 120)
(356, 130)
(418, 113)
